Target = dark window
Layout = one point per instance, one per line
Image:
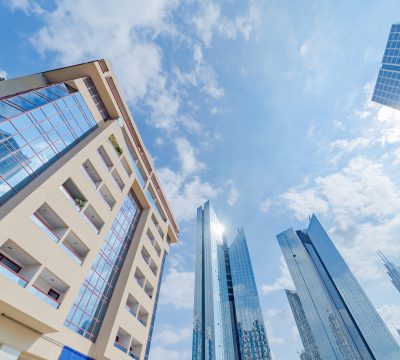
(10, 264)
(54, 294)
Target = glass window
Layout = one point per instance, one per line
(38, 136)
(103, 275)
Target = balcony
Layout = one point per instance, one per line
(148, 289)
(49, 222)
(92, 173)
(115, 145)
(107, 196)
(157, 225)
(105, 158)
(139, 277)
(135, 349)
(125, 165)
(49, 288)
(122, 340)
(73, 194)
(143, 316)
(75, 248)
(16, 264)
(157, 248)
(117, 178)
(132, 305)
(93, 219)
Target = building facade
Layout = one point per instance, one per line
(343, 321)
(251, 333)
(85, 227)
(310, 347)
(228, 322)
(392, 270)
(387, 88)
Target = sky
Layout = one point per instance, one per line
(261, 106)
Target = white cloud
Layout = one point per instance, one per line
(3, 74)
(233, 193)
(390, 314)
(210, 22)
(169, 335)
(160, 353)
(187, 156)
(363, 204)
(284, 281)
(266, 205)
(178, 289)
(184, 188)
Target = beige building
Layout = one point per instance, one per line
(84, 224)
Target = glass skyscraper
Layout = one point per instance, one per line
(392, 270)
(253, 343)
(343, 321)
(228, 322)
(306, 335)
(387, 88)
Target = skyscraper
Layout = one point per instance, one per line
(306, 335)
(85, 226)
(343, 321)
(251, 332)
(392, 270)
(228, 322)
(387, 88)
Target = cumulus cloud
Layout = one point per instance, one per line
(160, 353)
(169, 335)
(184, 188)
(362, 203)
(210, 22)
(284, 281)
(390, 314)
(233, 193)
(178, 289)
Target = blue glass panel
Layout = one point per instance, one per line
(99, 284)
(37, 138)
(71, 354)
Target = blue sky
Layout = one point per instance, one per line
(262, 107)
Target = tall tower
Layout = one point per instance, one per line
(228, 322)
(213, 326)
(85, 226)
(387, 88)
(306, 335)
(343, 321)
(392, 270)
(249, 319)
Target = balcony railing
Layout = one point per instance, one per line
(120, 346)
(74, 256)
(44, 227)
(46, 298)
(133, 356)
(13, 276)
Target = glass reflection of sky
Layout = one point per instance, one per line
(36, 128)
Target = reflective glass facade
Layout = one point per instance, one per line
(37, 128)
(249, 320)
(392, 270)
(212, 326)
(306, 335)
(344, 323)
(387, 88)
(228, 322)
(91, 303)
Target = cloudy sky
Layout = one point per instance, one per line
(262, 106)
